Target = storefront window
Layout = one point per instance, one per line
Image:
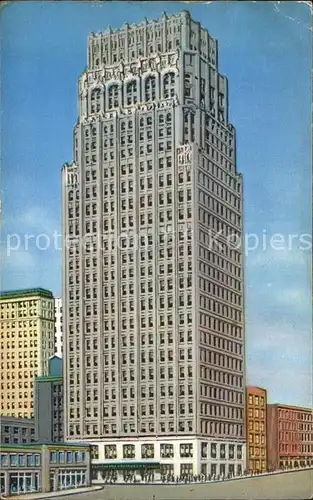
(71, 479)
(2, 482)
(186, 470)
(21, 482)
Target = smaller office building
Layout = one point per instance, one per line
(289, 437)
(16, 430)
(43, 468)
(49, 404)
(256, 423)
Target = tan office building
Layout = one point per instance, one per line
(256, 399)
(26, 344)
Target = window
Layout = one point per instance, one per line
(113, 96)
(95, 452)
(95, 101)
(186, 450)
(131, 92)
(150, 92)
(188, 85)
(147, 451)
(167, 450)
(169, 85)
(13, 460)
(128, 451)
(53, 457)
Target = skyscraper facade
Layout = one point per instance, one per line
(153, 298)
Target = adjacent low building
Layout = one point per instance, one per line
(49, 404)
(17, 430)
(43, 467)
(256, 405)
(289, 436)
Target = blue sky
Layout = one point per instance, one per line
(265, 51)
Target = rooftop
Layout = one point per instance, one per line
(49, 378)
(36, 446)
(26, 292)
(6, 419)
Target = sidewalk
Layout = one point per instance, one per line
(55, 494)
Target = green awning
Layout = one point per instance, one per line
(125, 465)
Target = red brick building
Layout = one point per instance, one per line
(289, 436)
(256, 405)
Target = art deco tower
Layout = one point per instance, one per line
(153, 289)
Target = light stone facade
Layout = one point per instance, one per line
(58, 336)
(153, 295)
(178, 456)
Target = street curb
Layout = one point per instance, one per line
(57, 495)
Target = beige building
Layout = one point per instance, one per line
(256, 408)
(26, 344)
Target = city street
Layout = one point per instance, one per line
(287, 486)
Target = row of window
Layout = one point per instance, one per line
(256, 426)
(256, 451)
(186, 450)
(135, 51)
(221, 360)
(211, 168)
(21, 364)
(67, 457)
(20, 460)
(220, 394)
(217, 375)
(12, 405)
(257, 438)
(213, 428)
(16, 430)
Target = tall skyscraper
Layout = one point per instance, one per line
(153, 272)
(26, 344)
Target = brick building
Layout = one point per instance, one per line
(256, 429)
(289, 436)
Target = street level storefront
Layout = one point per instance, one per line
(34, 468)
(126, 471)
